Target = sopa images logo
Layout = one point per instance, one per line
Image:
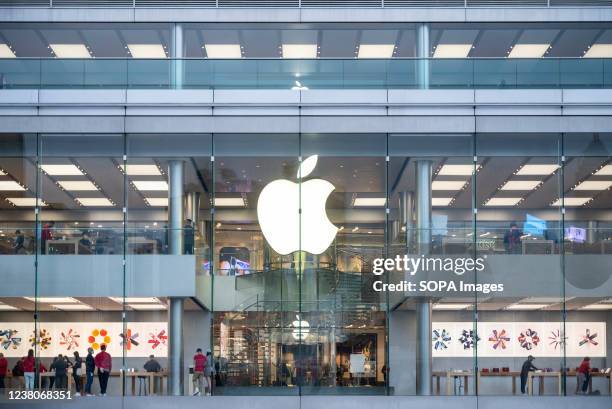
(278, 210)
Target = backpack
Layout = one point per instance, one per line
(18, 369)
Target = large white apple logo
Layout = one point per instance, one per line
(278, 211)
(301, 329)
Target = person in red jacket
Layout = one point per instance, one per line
(104, 363)
(3, 369)
(29, 363)
(584, 371)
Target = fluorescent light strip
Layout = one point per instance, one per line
(594, 307)
(520, 185)
(25, 201)
(528, 50)
(451, 306)
(157, 201)
(503, 201)
(147, 307)
(457, 170)
(73, 307)
(375, 51)
(229, 51)
(447, 184)
(151, 185)
(594, 185)
(229, 201)
(10, 185)
(135, 300)
(77, 185)
(70, 50)
(526, 307)
(605, 171)
(95, 201)
(61, 170)
(299, 50)
(369, 202)
(452, 50)
(147, 51)
(537, 169)
(6, 51)
(53, 300)
(599, 51)
(572, 201)
(141, 170)
(4, 307)
(441, 201)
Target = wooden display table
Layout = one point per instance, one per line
(542, 376)
(149, 376)
(510, 374)
(449, 375)
(572, 373)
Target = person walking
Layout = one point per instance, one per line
(188, 237)
(526, 368)
(584, 375)
(208, 372)
(199, 364)
(76, 373)
(104, 363)
(3, 370)
(90, 367)
(29, 365)
(19, 241)
(60, 367)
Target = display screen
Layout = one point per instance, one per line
(575, 234)
(234, 261)
(534, 225)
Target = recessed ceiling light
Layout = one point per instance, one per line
(157, 201)
(503, 201)
(441, 201)
(2, 173)
(605, 171)
(25, 201)
(53, 300)
(594, 185)
(147, 51)
(70, 50)
(229, 201)
(6, 52)
(4, 307)
(526, 307)
(77, 185)
(593, 307)
(141, 170)
(452, 50)
(520, 185)
(528, 50)
(369, 201)
(147, 307)
(447, 184)
(230, 51)
(572, 201)
(457, 170)
(152, 185)
(10, 185)
(73, 307)
(532, 170)
(135, 300)
(61, 170)
(375, 51)
(451, 306)
(599, 51)
(95, 201)
(299, 50)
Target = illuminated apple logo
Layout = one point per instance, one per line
(278, 211)
(301, 329)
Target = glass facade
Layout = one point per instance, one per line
(271, 250)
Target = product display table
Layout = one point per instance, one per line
(449, 375)
(150, 376)
(511, 374)
(572, 373)
(542, 376)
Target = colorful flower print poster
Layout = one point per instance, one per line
(586, 339)
(440, 339)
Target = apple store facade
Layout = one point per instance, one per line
(266, 250)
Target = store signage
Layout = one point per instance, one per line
(292, 215)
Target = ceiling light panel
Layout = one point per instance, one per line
(4, 307)
(10, 185)
(598, 307)
(6, 51)
(299, 50)
(503, 201)
(151, 185)
(52, 300)
(369, 201)
(141, 170)
(157, 201)
(70, 50)
(135, 300)
(447, 184)
(599, 51)
(73, 307)
(605, 171)
(229, 201)
(452, 50)
(537, 170)
(528, 50)
(94, 201)
(520, 185)
(594, 185)
(526, 307)
(375, 51)
(456, 170)
(147, 307)
(25, 201)
(229, 51)
(147, 51)
(77, 185)
(451, 306)
(441, 201)
(572, 201)
(61, 170)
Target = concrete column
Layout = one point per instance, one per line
(592, 232)
(177, 52)
(423, 306)
(406, 206)
(422, 52)
(175, 245)
(192, 208)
